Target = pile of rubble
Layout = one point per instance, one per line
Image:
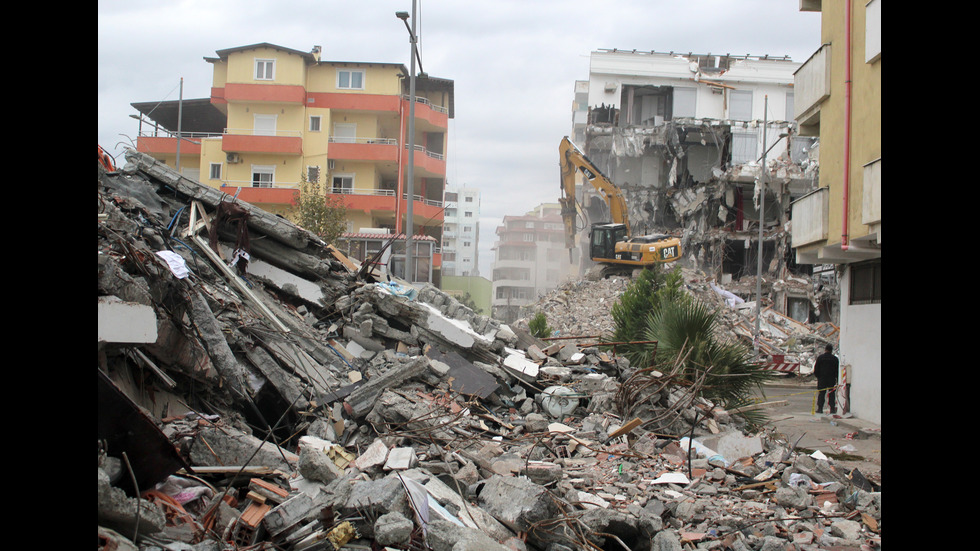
(259, 390)
(582, 308)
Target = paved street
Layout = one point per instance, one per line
(798, 425)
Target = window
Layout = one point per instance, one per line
(265, 69)
(685, 101)
(312, 174)
(467, 229)
(866, 282)
(263, 176)
(466, 243)
(468, 215)
(744, 147)
(344, 132)
(740, 105)
(343, 183)
(469, 199)
(350, 79)
(314, 123)
(215, 171)
(264, 125)
(790, 102)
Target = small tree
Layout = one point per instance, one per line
(324, 215)
(539, 326)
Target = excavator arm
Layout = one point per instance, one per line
(573, 160)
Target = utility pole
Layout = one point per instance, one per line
(762, 219)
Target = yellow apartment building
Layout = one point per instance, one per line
(837, 226)
(277, 116)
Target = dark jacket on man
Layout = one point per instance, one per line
(826, 368)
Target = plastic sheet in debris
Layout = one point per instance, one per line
(399, 290)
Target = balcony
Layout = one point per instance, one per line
(871, 199)
(251, 141)
(363, 149)
(810, 218)
(275, 194)
(811, 83)
(163, 142)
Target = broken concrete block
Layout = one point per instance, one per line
(214, 446)
(393, 529)
(363, 399)
(385, 495)
(122, 513)
(733, 445)
(126, 322)
(517, 364)
(536, 354)
(374, 456)
(288, 513)
(400, 459)
(516, 502)
(315, 462)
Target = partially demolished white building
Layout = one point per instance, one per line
(685, 136)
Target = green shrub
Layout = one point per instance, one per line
(539, 326)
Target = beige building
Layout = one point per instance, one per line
(837, 226)
(277, 117)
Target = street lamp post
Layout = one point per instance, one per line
(409, 230)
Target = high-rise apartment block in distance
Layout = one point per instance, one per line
(530, 259)
(461, 231)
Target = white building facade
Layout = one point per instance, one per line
(461, 232)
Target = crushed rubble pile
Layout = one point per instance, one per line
(259, 390)
(581, 308)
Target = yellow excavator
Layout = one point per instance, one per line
(611, 244)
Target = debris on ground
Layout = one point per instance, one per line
(259, 390)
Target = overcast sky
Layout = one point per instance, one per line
(514, 64)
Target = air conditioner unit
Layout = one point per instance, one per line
(233, 158)
(330, 164)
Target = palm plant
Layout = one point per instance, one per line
(688, 328)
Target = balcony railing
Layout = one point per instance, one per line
(425, 101)
(254, 132)
(345, 139)
(162, 133)
(428, 153)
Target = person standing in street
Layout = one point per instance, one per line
(825, 369)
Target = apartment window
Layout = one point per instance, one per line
(312, 174)
(343, 183)
(215, 173)
(467, 243)
(866, 282)
(344, 132)
(314, 123)
(469, 199)
(685, 101)
(353, 80)
(264, 125)
(263, 176)
(467, 229)
(468, 215)
(744, 147)
(265, 69)
(528, 237)
(740, 105)
(790, 105)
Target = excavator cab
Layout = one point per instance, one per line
(603, 239)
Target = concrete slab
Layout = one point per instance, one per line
(126, 322)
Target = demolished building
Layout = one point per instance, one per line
(260, 390)
(692, 141)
